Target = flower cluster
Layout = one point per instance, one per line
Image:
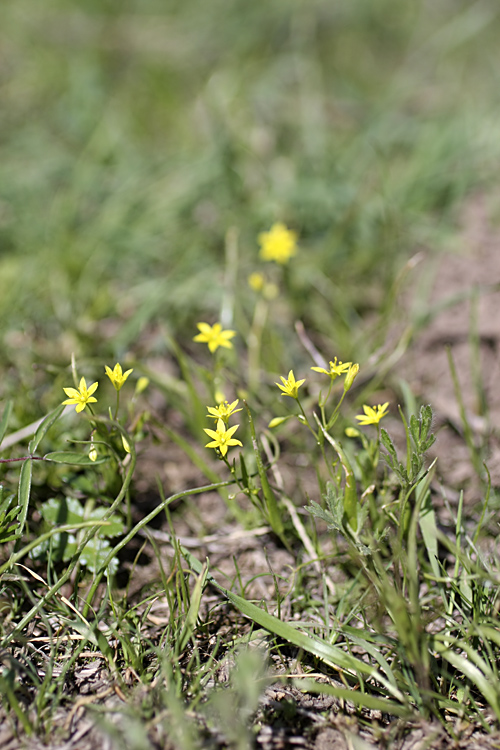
(82, 396)
(290, 387)
(222, 436)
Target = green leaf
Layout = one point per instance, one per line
(65, 510)
(193, 611)
(8, 520)
(428, 527)
(44, 426)
(73, 458)
(94, 555)
(5, 419)
(365, 700)
(68, 511)
(388, 444)
(23, 496)
(64, 546)
(479, 673)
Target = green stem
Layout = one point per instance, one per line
(117, 403)
(254, 343)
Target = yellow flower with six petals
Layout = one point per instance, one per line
(214, 336)
(82, 396)
(373, 414)
(116, 375)
(290, 386)
(222, 437)
(223, 411)
(335, 368)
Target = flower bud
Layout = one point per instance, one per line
(277, 421)
(351, 374)
(352, 432)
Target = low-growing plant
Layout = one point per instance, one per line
(409, 626)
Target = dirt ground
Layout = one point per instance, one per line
(457, 298)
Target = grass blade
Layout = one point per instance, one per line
(5, 419)
(24, 492)
(331, 655)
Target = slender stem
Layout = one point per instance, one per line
(254, 342)
(21, 458)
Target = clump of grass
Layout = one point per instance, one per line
(286, 181)
(408, 630)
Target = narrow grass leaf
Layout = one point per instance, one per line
(193, 611)
(326, 652)
(23, 496)
(364, 700)
(5, 419)
(474, 674)
(428, 527)
(7, 691)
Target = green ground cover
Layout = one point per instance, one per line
(145, 148)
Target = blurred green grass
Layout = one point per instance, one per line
(134, 134)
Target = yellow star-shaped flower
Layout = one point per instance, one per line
(222, 438)
(214, 336)
(373, 414)
(279, 244)
(335, 368)
(290, 386)
(116, 375)
(223, 411)
(82, 396)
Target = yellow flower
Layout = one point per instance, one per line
(373, 414)
(116, 375)
(335, 368)
(93, 453)
(222, 438)
(279, 244)
(290, 386)
(223, 411)
(82, 396)
(214, 336)
(256, 281)
(126, 446)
